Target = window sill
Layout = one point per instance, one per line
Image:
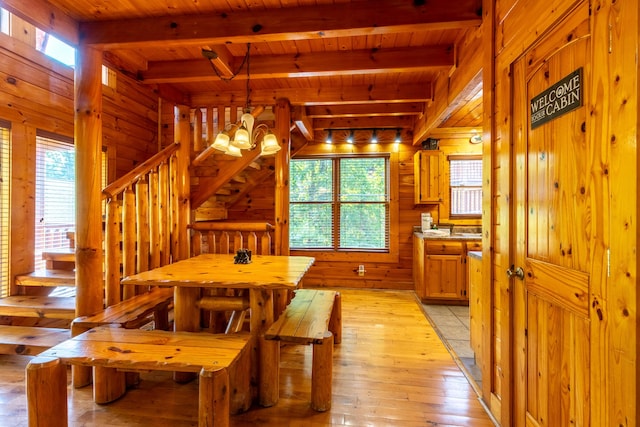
(349, 256)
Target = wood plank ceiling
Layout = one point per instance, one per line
(349, 64)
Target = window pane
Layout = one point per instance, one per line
(466, 186)
(310, 225)
(311, 180)
(55, 195)
(363, 180)
(363, 226)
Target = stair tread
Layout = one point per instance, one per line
(47, 277)
(60, 254)
(38, 306)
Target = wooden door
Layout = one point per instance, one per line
(553, 240)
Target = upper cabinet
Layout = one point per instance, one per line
(428, 169)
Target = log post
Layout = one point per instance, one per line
(322, 374)
(283, 126)
(213, 404)
(88, 143)
(46, 392)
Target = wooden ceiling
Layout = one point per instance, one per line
(343, 63)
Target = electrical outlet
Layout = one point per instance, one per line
(361, 270)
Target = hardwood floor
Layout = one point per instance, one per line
(390, 370)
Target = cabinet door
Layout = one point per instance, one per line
(443, 277)
(428, 169)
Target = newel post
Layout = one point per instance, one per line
(88, 144)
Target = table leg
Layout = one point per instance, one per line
(261, 304)
(186, 318)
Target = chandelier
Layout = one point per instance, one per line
(246, 136)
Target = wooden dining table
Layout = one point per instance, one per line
(260, 278)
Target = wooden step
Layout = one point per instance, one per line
(30, 340)
(60, 258)
(38, 306)
(47, 278)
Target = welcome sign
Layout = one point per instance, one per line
(559, 99)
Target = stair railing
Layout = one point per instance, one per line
(140, 207)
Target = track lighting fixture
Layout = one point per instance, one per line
(377, 135)
(398, 138)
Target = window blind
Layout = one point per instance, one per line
(339, 203)
(466, 186)
(5, 207)
(55, 194)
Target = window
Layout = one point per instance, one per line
(55, 194)
(340, 203)
(465, 183)
(5, 211)
(4, 21)
(55, 48)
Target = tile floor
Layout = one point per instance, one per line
(452, 324)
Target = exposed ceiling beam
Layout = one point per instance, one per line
(294, 23)
(411, 93)
(306, 64)
(219, 57)
(365, 110)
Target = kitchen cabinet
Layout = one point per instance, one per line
(428, 168)
(444, 270)
(440, 269)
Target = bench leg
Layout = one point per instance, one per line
(46, 392)
(335, 322)
(109, 384)
(80, 375)
(322, 374)
(240, 381)
(161, 318)
(269, 372)
(213, 405)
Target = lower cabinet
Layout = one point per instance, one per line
(444, 276)
(440, 269)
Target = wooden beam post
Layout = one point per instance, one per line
(283, 132)
(88, 143)
(283, 126)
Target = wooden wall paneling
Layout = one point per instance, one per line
(615, 380)
(23, 168)
(489, 210)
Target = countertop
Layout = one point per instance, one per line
(466, 237)
(475, 254)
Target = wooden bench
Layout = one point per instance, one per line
(312, 317)
(30, 340)
(131, 313)
(222, 361)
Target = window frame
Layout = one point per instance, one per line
(336, 202)
(459, 157)
(388, 256)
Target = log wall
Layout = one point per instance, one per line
(37, 95)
